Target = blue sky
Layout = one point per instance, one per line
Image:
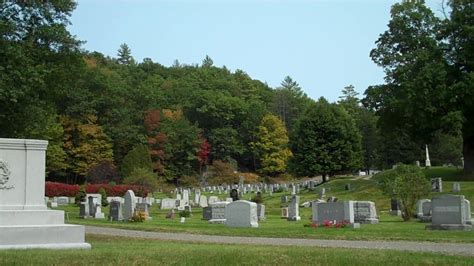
(324, 45)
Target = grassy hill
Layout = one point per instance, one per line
(389, 228)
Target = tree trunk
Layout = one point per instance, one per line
(468, 153)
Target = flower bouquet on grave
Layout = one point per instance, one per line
(139, 216)
(328, 223)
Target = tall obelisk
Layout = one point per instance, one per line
(427, 162)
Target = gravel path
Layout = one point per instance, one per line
(447, 248)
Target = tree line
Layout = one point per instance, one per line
(114, 119)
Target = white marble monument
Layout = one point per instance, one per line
(427, 162)
(25, 221)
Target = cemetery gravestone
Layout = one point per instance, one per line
(115, 211)
(284, 213)
(186, 197)
(467, 212)
(84, 210)
(234, 194)
(212, 199)
(197, 197)
(424, 210)
(293, 209)
(395, 208)
(207, 213)
(322, 193)
(167, 204)
(129, 205)
(365, 212)
(448, 213)
(92, 206)
(335, 212)
(25, 221)
(63, 201)
(261, 212)
(437, 184)
(218, 212)
(456, 187)
(241, 213)
(203, 201)
(54, 202)
(144, 208)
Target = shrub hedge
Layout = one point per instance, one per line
(55, 189)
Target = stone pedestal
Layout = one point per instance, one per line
(25, 222)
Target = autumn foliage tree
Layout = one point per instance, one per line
(203, 153)
(271, 146)
(155, 139)
(85, 143)
(173, 142)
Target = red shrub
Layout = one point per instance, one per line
(54, 189)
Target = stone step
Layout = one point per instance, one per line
(31, 217)
(43, 236)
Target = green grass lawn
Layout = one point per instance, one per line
(447, 173)
(130, 251)
(389, 228)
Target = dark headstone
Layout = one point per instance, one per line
(84, 210)
(394, 205)
(436, 184)
(348, 186)
(234, 194)
(207, 213)
(92, 206)
(115, 211)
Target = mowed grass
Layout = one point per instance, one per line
(447, 173)
(389, 228)
(129, 251)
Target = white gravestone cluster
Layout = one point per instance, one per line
(93, 205)
(25, 221)
(212, 199)
(168, 204)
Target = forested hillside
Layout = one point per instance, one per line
(106, 115)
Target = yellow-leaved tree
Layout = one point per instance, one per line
(271, 146)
